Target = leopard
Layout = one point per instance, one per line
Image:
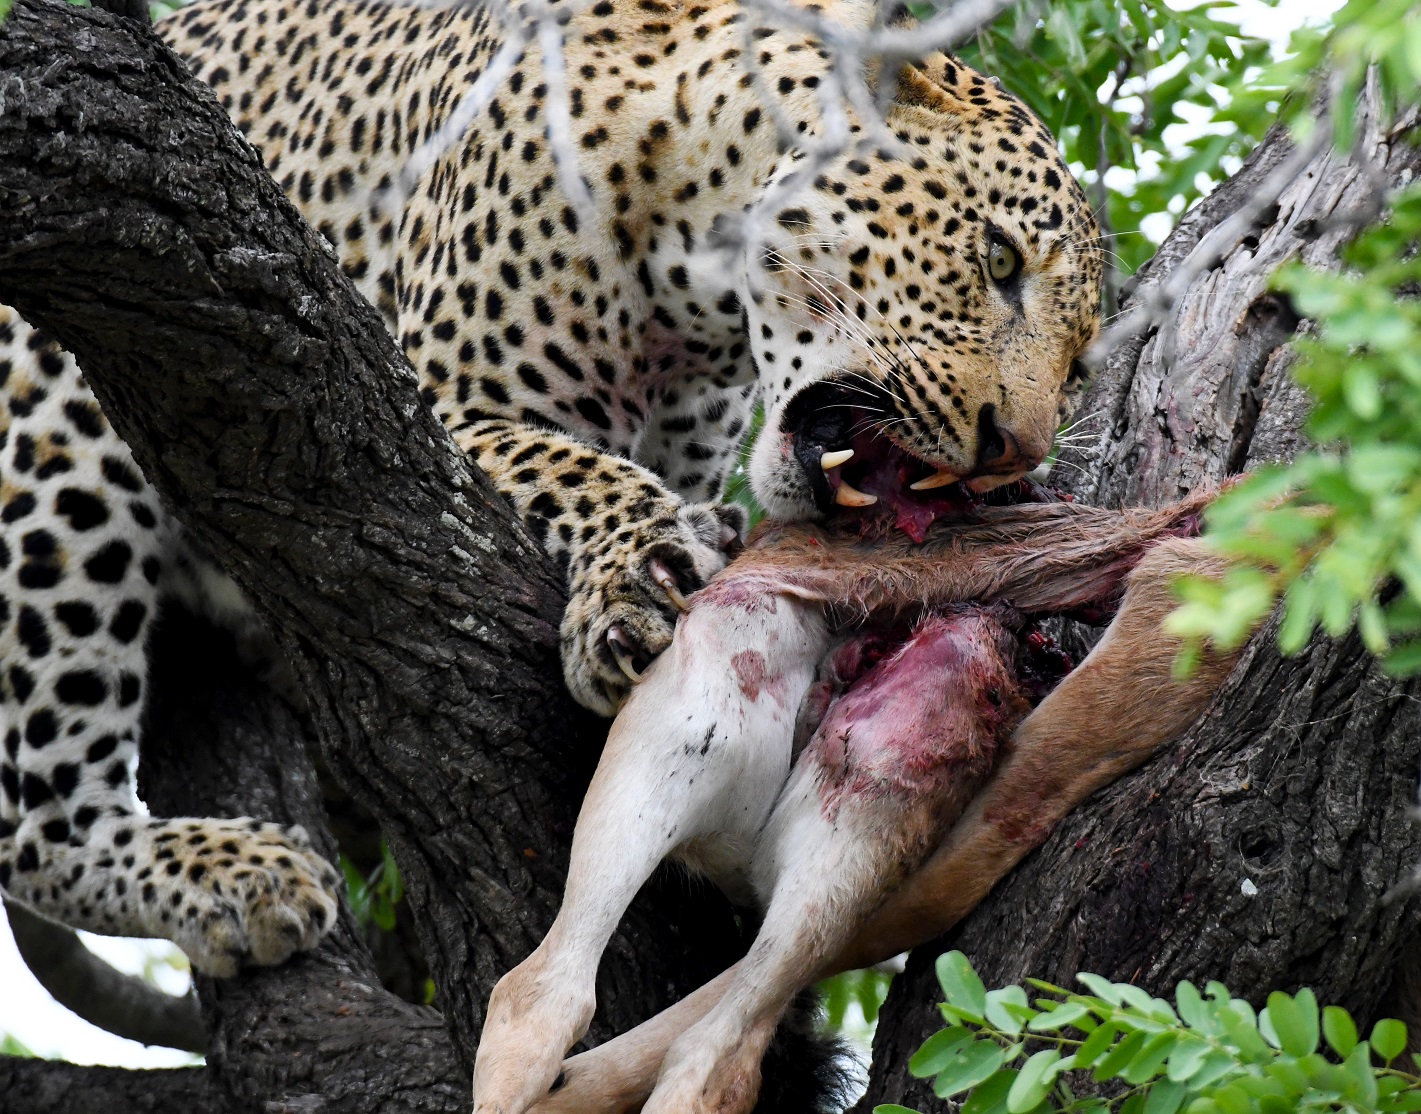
(902, 314)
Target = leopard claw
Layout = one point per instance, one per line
(625, 600)
(663, 576)
(622, 652)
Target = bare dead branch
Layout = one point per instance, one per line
(1154, 305)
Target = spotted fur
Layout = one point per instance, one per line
(85, 551)
(601, 369)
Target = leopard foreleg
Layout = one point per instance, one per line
(632, 550)
(84, 550)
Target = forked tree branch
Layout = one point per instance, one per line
(273, 412)
(1262, 847)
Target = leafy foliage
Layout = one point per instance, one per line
(1337, 534)
(11, 1046)
(1204, 1053)
(373, 897)
(866, 989)
(1109, 78)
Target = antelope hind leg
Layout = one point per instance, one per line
(1066, 749)
(699, 749)
(896, 758)
(1105, 718)
(617, 1077)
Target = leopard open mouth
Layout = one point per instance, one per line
(841, 437)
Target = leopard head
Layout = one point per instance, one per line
(923, 308)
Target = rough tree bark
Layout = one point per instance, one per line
(1300, 778)
(268, 405)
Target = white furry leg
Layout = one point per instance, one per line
(700, 749)
(894, 762)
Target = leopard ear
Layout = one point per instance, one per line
(939, 83)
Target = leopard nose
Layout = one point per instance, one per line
(998, 450)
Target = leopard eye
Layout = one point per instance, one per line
(1003, 262)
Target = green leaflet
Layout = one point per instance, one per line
(1212, 1055)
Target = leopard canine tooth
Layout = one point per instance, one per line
(836, 458)
(937, 479)
(849, 496)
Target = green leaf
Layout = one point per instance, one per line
(1165, 1098)
(937, 1051)
(990, 1096)
(9, 1045)
(1033, 1083)
(1119, 1056)
(1007, 1009)
(1388, 1039)
(1241, 1026)
(1294, 1021)
(1101, 988)
(1232, 1099)
(1096, 1045)
(1067, 1013)
(1339, 1029)
(383, 914)
(1216, 1065)
(1361, 1081)
(1133, 996)
(1150, 1059)
(969, 1066)
(1191, 1005)
(1186, 1058)
(961, 986)
(892, 1108)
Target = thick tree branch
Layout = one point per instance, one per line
(54, 1087)
(219, 740)
(268, 405)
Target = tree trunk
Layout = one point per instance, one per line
(1260, 848)
(272, 411)
(277, 418)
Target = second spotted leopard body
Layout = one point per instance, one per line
(601, 369)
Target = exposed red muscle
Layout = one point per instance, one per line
(932, 713)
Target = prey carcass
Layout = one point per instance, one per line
(843, 734)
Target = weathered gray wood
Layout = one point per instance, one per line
(1300, 777)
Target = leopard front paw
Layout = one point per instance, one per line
(243, 893)
(623, 604)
